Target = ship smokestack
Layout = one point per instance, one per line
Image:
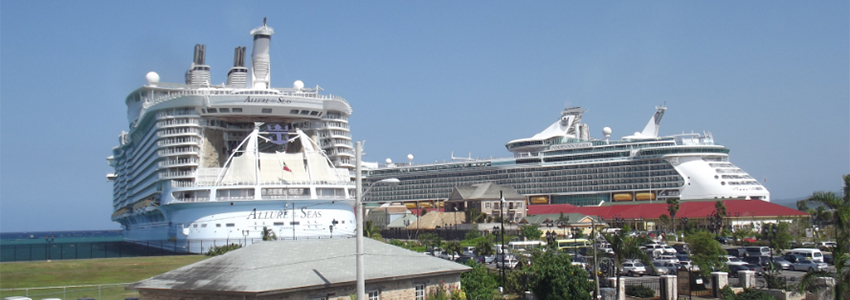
(199, 72)
(238, 74)
(261, 68)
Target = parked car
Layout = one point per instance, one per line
(668, 258)
(469, 250)
(663, 268)
(731, 260)
(756, 268)
(757, 251)
(780, 262)
(688, 264)
(737, 252)
(723, 239)
(808, 265)
(464, 258)
(763, 261)
(508, 262)
(828, 259)
(733, 270)
(633, 268)
(670, 250)
(682, 248)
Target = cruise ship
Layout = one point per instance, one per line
(204, 165)
(563, 164)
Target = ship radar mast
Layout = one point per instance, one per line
(261, 67)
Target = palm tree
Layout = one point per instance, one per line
(563, 221)
(673, 208)
(841, 253)
(625, 246)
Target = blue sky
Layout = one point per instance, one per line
(769, 79)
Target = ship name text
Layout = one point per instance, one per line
(281, 100)
(280, 214)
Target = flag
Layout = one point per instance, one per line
(285, 168)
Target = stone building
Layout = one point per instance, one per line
(304, 269)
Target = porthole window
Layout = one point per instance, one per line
(723, 183)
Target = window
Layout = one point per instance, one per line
(294, 111)
(420, 291)
(211, 110)
(374, 295)
(230, 225)
(237, 109)
(267, 110)
(225, 110)
(217, 225)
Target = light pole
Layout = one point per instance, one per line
(502, 237)
(245, 234)
(595, 270)
(361, 274)
(49, 240)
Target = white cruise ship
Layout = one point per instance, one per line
(205, 164)
(563, 164)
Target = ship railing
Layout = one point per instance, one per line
(191, 199)
(164, 175)
(181, 184)
(163, 96)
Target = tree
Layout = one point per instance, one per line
(530, 231)
(624, 247)
(840, 206)
(743, 233)
(562, 220)
(473, 215)
(430, 239)
(552, 276)
(371, 231)
(484, 247)
(706, 252)
(664, 219)
(478, 283)
(453, 247)
(472, 234)
(268, 234)
(673, 208)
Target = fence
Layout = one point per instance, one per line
(63, 251)
(653, 283)
(444, 234)
(102, 291)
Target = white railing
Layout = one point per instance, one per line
(187, 150)
(169, 175)
(214, 91)
(178, 131)
(180, 184)
(178, 162)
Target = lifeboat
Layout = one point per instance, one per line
(539, 200)
(645, 196)
(425, 205)
(623, 197)
(410, 205)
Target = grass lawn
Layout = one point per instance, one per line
(19, 275)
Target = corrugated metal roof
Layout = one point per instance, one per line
(271, 267)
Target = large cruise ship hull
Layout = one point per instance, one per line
(197, 227)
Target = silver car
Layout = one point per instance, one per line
(662, 268)
(808, 265)
(781, 263)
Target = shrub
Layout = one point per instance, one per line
(640, 291)
(219, 250)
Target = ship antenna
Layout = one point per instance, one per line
(264, 21)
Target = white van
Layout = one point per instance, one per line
(808, 253)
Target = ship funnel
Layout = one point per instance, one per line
(260, 65)
(238, 74)
(199, 72)
(651, 129)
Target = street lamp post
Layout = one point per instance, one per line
(49, 240)
(361, 274)
(502, 237)
(245, 234)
